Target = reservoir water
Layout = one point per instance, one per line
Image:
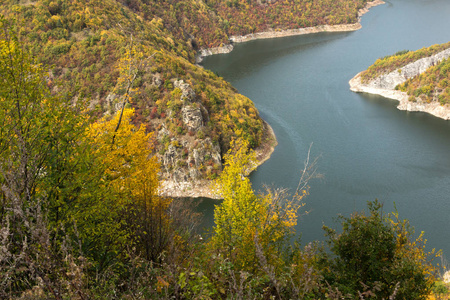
(368, 149)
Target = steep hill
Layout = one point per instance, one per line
(141, 53)
(210, 23)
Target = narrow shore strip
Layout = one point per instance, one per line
(288, 32)
(384, 85)
(202, 188)
(434, 108)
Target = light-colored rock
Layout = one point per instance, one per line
(290, 32)
(162, 132)
(192, 117)
(446, 277)
(194, 186)
(113, 103)
(283, 33)
(205, 152)
(195, 189)
(156, 80)
(368, 6)
(385, 84)
(187, 93)
(215, 155)
(391, 80)
(170, 156)
(194, 174)
(212, 51)
(197, 156)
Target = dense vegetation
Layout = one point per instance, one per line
(212, 22)
(92, 46)
(390, 63)
(86, 88)
(81, 219)
(84, 43)
(432, 85)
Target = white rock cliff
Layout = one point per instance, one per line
(385, 84)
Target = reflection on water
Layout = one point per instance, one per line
(368, 148)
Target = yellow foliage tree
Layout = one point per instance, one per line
(251, 229)
(130, 181)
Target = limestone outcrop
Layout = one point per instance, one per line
(192, 117)
(188, 159)
(385, 84)
(212, 51)
(187, 93)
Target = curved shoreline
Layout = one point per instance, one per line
(284, 33)
(384, 85)
(202, 188)
(433, 108)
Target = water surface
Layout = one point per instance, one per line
(368, 148)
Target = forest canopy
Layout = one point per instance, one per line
(92, 94)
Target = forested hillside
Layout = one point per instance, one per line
(92, 95)
(401, 58)
(432, 85)
(428, 86)
(80, 217)
(140, 53)
(104, 53)
(210, 23)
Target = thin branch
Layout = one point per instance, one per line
(309, 172)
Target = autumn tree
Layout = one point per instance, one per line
(378, 256)
(131, 178)
(251, 227)
(37, 131)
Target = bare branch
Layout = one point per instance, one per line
(309, 172)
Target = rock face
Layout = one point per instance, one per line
(191, 111)
(183, 168)
(187, 93)
(211, 51)
(190, 161)
(187, 160)
(156, 80)
(113, 103)
(396, 77)
(192, 117)
(384, 85)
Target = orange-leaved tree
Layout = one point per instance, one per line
(131, 178)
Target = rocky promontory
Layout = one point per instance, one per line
(385, 85)
(188, 160)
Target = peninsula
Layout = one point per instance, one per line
(418, 80)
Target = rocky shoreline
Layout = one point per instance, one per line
(203, 188)
(385, 84)
(284, 33)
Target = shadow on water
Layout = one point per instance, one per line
(206, 206)
(368, 148)
(238, 64)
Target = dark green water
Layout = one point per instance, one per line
(368, 148)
